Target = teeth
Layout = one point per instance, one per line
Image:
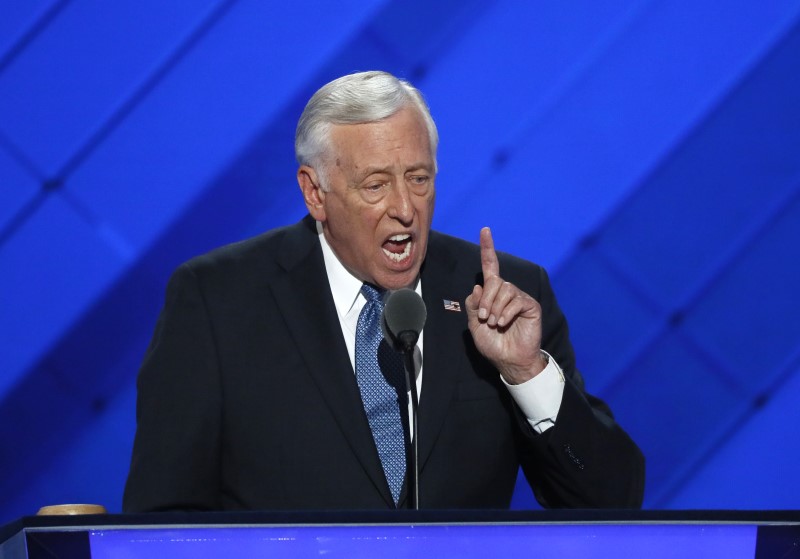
(399, 257)
(400, 237)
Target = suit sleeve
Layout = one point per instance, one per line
(586, 460)
(176, 452)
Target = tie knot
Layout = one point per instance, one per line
(371, 293)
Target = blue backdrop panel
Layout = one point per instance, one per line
(91, 469)
(64, 86)
(71, 389)
(18, 18)
(663, 409)
(484, 88)
(486, 93)
(749, 316)
(757, 467)
(17, 188)
(570, 161)
(53, 269)
(607, 321)
(737, 166)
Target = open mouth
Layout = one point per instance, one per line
(398, 247)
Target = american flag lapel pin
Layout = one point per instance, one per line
(449, 305)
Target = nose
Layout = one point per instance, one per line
(400, 206)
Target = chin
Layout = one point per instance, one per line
(398, 281)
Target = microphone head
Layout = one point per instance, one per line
(404, 317)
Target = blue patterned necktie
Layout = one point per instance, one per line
(380, 376)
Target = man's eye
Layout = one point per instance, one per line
(419, 182)
(373, 190)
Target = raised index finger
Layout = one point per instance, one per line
(489, 264)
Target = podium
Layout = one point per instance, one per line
(390, 534)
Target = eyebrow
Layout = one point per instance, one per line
(373, 170)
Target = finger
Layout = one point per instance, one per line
(499, 309)
(489, 263)
(508, 302)
(492, 286)
(519, 305)
(471, 304)
(473, 300)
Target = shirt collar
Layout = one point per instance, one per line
(345, 287)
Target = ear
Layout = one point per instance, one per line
(313, 195)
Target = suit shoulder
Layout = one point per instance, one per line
(261, 252)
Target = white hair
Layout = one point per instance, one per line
(355, 99)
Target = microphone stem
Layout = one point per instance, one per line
(413, 462)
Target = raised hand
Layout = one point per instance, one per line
(505, 322)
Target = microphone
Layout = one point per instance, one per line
(403, 318)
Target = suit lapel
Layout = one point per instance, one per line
(443, 354)
(304, 298)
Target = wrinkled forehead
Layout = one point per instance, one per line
(404, 132)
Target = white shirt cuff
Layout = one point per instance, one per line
(540, 397)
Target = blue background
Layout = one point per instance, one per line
(646, 152)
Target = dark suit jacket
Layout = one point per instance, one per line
(247, 398)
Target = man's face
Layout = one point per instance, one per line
(377, 211)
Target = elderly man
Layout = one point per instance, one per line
(267, 384)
